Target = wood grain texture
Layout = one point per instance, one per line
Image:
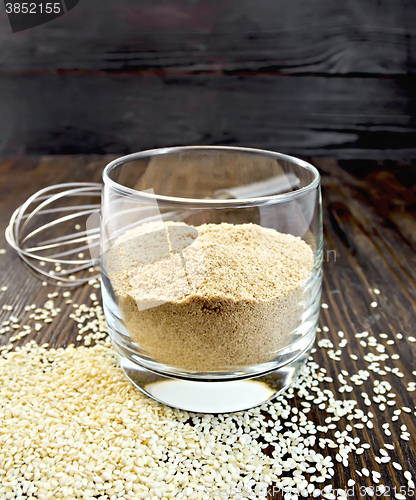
(370, 224)
(303, 77)
(301, 115)
(295, 37)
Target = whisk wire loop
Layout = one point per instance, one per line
(31, 221)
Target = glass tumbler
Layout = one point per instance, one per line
(211, 262)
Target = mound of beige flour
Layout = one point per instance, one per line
(209, 298)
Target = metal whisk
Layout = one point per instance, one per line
(43, 233)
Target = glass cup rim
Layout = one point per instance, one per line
(212, 203)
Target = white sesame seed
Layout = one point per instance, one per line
(412, 339)
(324, 306)
(373, 304)
(289, 430)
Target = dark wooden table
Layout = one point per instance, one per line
(370, 243)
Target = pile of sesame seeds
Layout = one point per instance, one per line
(72, 426)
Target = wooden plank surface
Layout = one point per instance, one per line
(292, 37)
(306, 78)
(369, 227)
(301, 115)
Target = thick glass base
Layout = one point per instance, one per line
(214, 396)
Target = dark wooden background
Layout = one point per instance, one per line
(302, 77)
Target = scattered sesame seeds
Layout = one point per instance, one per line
(373, 304)
(412, 339)
(160, 438)
(289, 431)
(376, 291)
(324, 306)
